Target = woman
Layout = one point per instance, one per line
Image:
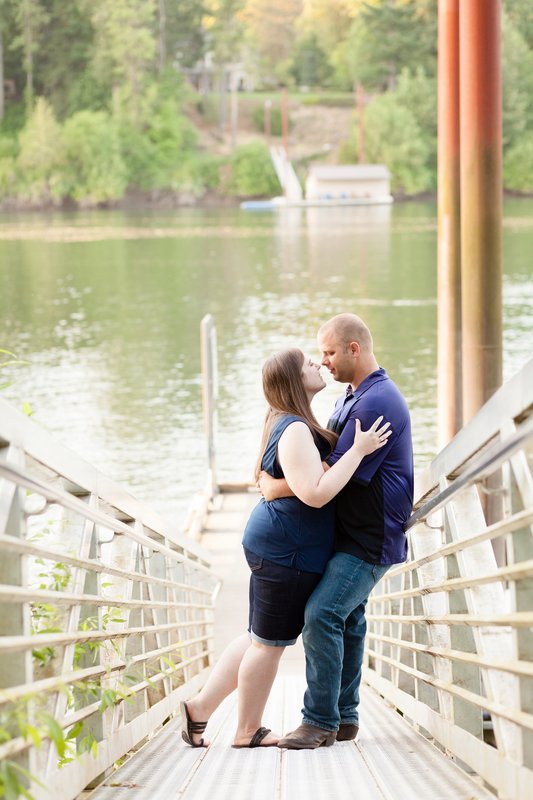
(287, 543)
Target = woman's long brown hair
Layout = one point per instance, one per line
(285, 394)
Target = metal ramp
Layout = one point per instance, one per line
(287, 177)
(390, 761)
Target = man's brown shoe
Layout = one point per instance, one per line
(307, 737)
(347, 732)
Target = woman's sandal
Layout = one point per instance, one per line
(256, 740)
(189, 728)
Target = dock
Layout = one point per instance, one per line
(111, 615)
(388, 760)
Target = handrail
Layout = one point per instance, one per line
(106, 614)
(484, 466)
(449, 631)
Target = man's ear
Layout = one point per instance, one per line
(355, 348)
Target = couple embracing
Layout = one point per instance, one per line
(329, 525)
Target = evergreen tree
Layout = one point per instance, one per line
(390, 36)
(30, 18)
(64, 74)
(310, 65)
(125, 46)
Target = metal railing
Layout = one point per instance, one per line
(106, 616)
(449, 640)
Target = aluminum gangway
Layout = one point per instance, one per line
(109, 616)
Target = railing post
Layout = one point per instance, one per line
(209, 394)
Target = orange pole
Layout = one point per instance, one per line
(481, 201)
(360, 101)
(285, 118)
(449, 226)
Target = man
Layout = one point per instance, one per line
(371, 512)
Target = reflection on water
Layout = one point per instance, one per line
(106, 308)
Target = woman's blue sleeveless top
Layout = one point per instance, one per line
(287, 531)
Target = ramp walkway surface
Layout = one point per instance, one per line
(388, 761)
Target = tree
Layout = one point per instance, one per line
(389, 36)
(393, 137)
(272, 31)
(64, 76)
(41, 155)
(225, 39)
(328, 20)
(517, 78)
(520, 14)
(94, 170)
(30, 17)
(310, 65)
(185, 28)
(125, 45)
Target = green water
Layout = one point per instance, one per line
(106, 308)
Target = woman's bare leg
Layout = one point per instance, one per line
(259, 666)
(221, 682)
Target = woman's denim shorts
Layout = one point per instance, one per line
(278, 596)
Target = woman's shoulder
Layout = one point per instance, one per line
(284, 420)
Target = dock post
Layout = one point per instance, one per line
(481, 201)
(481, 218)
(449, 226)
(209, 394)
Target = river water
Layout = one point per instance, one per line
(105, 307)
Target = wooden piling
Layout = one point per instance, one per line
(449, 226)
(481, 201)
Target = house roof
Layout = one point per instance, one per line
(346, 172)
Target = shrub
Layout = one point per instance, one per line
(94, 171)
(41, 155)
(393, 137)
(8, 177)
(156, 151)
(251, 171)
(310, 64)
(518, 166)
(258, 118)
(195, 174)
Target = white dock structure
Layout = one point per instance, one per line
(109, 616)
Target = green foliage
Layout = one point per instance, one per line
(118, 61)
(125, 44)
(393, 137)
(251, 171)
(258, 118)
(63, 75)
(7, 360)
(41, 155)
(94, 170)
(157, 153)
(417, 93)
(518, 166)
(386, 37)
(310, 65)
(8, 177)
(517, 78)
(14, 119)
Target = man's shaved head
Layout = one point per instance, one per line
(348, 328)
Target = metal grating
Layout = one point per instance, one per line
(390, 762)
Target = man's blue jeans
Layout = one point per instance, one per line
(334, 638)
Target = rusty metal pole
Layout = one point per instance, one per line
(360, 103)
(449, 226)
(285, 119)
(481, 201)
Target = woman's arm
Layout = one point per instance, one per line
(274, 488)
(302, 465)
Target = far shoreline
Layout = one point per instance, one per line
(167, 200)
